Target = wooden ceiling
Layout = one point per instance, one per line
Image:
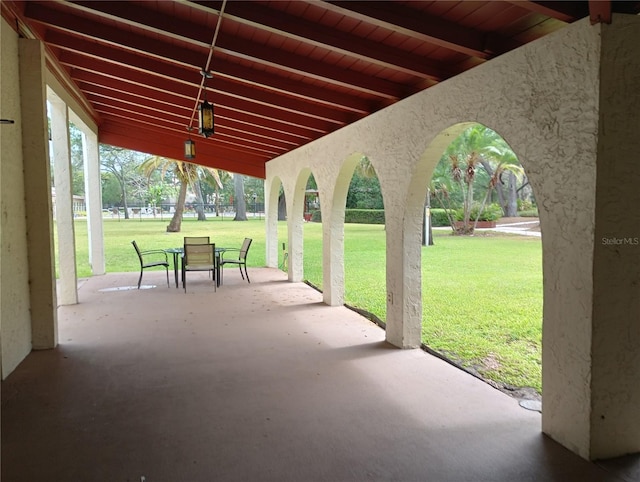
(284, 72)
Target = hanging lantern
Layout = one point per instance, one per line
(206, 118)
(189, 149)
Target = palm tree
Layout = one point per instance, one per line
(495, 180)
(185, 172)
(500, 153)
(478, 145)
(188, 174)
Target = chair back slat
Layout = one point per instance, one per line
(246, 244)
(196, 240)
(199, 254)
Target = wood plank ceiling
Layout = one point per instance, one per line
(284, 72)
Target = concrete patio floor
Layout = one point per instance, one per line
(257, 382)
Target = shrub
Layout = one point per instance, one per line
(439, 217)
(492, 212)
(525, 205)
(530, 213)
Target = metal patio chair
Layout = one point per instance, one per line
(199, 257)
(240, 262)
(151, 259)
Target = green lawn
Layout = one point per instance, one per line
(482, 295)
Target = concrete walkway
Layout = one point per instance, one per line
(256, 382)
(525, 228)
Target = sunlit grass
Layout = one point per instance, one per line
(482, 295)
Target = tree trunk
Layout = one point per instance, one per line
(217, 204)
(199, 201)
(511, 206)
(282, 208)
(124, 201)
(176, 221)
(241, 207)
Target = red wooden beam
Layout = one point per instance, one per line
(600, 11)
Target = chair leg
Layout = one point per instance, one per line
(168, 285)
(140, 278)
(247, 273)
(241, 273)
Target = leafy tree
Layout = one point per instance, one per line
(212, 182)
(77, 160)
(123, 165)
(155, 194)
(111, 191)
(254, 192)
(364, 189)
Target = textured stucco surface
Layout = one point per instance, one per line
(35, 151)
(543, 100)
(616, 306)
(67, 293)
(15, 319)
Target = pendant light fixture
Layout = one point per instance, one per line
(206, 109)
(189, 147)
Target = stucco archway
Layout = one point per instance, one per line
(271, 194)
(544, 100)
(413, 228)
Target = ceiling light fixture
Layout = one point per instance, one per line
(206, 109)
(189, 147)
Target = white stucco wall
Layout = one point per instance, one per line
(543, 100)
(15, 318)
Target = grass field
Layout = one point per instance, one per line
(482, 295)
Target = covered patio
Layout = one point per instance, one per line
(259, 381)
(301, 89)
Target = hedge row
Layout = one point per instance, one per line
(356, 216)
(439, 217)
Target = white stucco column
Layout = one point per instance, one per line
(615, 374)
(37, 186)
(404, 297)
(67, 289)
(295, 240)
(93, 200)
(332, 252)
(271, 190)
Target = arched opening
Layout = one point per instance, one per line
(482, 292)
(276, 224)
(312, 228)
(365, 241)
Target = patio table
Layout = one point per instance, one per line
(179, 251)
